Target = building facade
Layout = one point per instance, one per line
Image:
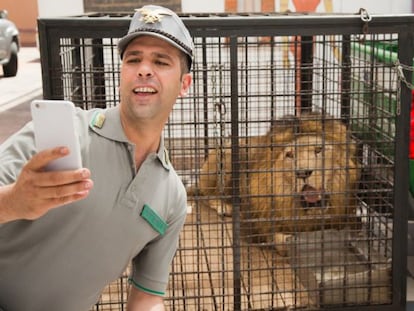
(126, 5)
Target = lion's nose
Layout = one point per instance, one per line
(303, 174)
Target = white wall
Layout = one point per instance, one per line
(339, 6)
(197, 6)
(56, 8)
(373, 6)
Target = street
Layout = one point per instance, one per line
(16, 93)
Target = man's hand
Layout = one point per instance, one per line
(36, 191)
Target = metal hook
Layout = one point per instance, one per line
(366, 18)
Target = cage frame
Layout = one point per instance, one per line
(204, 25)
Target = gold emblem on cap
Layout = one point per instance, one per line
(152, 16)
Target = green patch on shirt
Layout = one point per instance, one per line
(156, 222)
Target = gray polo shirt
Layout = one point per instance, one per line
(64, 259)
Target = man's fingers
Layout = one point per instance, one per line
(32, 213)
(57, 178)
(66, 190)
(42, 158)
(45, 198)
(71, 198)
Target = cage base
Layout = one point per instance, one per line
(338, 267)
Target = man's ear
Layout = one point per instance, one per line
(187, 79)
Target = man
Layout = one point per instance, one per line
(65, 235)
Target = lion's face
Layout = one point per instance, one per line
(313, 170)
(309, 184)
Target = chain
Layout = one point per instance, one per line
(218, 118)
(400, 73)
(399, 68)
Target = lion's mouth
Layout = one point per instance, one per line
(311, 197)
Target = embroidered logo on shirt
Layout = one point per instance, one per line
(155, 221)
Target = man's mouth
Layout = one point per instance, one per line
(144, 90)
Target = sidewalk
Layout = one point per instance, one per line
(16, 93)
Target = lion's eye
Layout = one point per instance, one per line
(318, 149)
(289, 154)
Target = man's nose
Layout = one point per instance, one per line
(145, 70)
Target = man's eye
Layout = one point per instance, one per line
(132, 60)
(161, 63)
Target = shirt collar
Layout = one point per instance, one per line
(163, 155)
(107, 123)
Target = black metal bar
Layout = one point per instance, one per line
(306, 73)
(205, 98)
(76, 77)
(49, 59)
(235, 172)
(401, 189)
(265, 25)
(98, 74)
(346, 79)
(272, 79)
(43, 47)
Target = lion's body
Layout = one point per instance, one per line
(300, 176)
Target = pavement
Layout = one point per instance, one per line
(17, 92)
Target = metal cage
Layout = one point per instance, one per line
(293, 145)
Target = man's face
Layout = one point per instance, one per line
(151, 79)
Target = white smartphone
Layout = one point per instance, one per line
(54, 125)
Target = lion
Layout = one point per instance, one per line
(300, 176)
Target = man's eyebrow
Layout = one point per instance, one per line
(153, 54)
(133, 53)
(162, 55)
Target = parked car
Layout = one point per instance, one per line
(9, 45)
